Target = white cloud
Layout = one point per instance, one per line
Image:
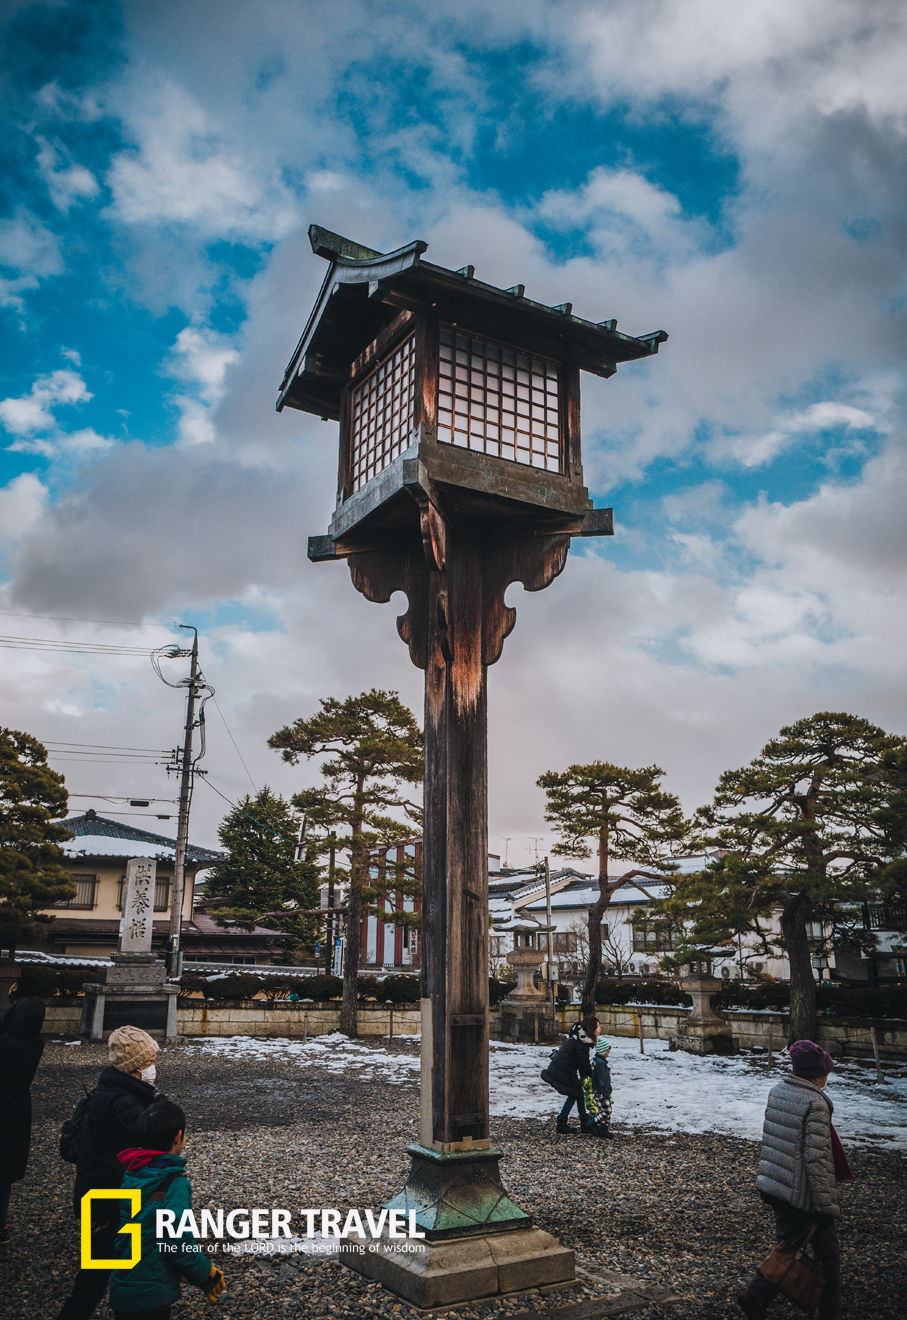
(67, 181)
(32, 412)
(22, 502)
(59, 442)
(181, 172)
(200, 357)
(31, 252)
(755, 451)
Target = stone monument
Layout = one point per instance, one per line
(133, 991)
(527, 1011)
(704, 1031)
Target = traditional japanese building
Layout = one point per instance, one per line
(89, 923)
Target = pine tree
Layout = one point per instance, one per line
(797, 832)
(31, 874)
(261, 876)
(374, 746)
(629, 817)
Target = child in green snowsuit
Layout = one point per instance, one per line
(597, 1092)
(157, 1168)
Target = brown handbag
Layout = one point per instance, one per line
(798, 1276)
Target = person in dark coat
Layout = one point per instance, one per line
(21, 1047)
(569, 1066)
(124, 1091)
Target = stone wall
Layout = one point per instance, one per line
(840, 1036)
(247, 1018)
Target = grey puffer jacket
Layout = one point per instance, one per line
(797, 1164)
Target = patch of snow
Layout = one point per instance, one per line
(662, 1090)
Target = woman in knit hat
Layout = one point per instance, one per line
(124, 1091)
(802, 1161)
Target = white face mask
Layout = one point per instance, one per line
(148, 1074)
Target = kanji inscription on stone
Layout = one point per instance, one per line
(138, 906)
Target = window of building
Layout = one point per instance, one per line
(381, 414)
(650, 941)
(565, 941)
(495, 400)
(161, 894)
(86, 890)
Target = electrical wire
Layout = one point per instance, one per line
(242, 811)
(106, 747)
(61, 618)
(49, 644)
(233, 741)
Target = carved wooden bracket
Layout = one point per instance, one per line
(445, 601)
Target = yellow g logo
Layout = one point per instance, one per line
(134, 1197)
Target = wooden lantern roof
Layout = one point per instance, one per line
(448, 391)
(365, 290)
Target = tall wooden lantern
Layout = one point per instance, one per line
(460, 473)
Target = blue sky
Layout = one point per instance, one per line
(736, 178)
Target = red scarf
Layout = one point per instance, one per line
(842, 1168)
(136, 1158)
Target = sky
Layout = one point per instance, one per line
(732, 175)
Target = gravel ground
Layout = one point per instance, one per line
(646, 1211)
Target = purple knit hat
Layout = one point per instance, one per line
(809, 1060)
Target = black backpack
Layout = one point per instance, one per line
(72, 1128)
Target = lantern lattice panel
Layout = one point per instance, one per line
(496, 400)
(382, 413)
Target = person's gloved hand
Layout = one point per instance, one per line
(214, 1285)
(823, 1222)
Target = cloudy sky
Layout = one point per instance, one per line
(734, 175)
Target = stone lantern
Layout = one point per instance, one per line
(704, 1031)
(460, 472)
(526, 958)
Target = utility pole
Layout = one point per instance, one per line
(548, 932)
(174, 954)
(329, 940)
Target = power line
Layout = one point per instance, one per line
(106, 747)
(242, 811)
(233, 741)
(64, 618)
(78, 648)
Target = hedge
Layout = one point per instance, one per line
(45, 982)
(640, 992)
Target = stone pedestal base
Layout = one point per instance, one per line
(457, 1194)
(132, 992)
(707, 1039)
(533, 1021)
(431, 1274)
(704, 1031)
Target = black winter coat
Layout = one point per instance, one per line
(570, 1064)
(109, 1127)
(21, 1047)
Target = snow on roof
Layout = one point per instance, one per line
(106, 838)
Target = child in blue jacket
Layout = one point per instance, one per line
(157, 1169)
(598, 1091)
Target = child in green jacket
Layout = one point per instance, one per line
(156, 1168)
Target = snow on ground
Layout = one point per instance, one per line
(667, 1090)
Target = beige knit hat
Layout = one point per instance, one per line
(130, 1047)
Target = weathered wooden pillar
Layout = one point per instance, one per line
(459, 474)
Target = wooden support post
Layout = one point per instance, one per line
(639, 1030)
(455, 581)
(771, 1041)
(305, 1027)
